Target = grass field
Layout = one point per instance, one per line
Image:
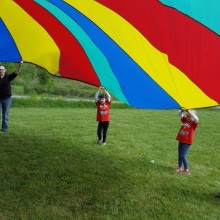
(52, 168)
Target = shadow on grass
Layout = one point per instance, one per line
(78, 177)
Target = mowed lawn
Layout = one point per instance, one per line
(52, 168)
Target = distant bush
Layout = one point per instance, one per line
(34, 80)
(60, 102)
(58, 91)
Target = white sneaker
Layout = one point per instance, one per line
(99, 141)
(103, 143)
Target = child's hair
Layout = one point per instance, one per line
(102, 96)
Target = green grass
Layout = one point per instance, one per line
(52, 168)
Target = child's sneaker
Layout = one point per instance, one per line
(99, 141)
(104, 143)
(179, 169)
(186, 172)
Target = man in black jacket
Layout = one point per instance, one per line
(5, 93)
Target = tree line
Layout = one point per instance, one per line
(35, 80)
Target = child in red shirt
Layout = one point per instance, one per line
(185, 137)
(103, 103)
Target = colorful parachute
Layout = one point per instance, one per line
(147, 53)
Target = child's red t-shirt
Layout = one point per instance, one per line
(187, 131)
(103, 111)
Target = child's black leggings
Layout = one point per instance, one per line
(102, 130)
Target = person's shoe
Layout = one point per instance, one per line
(4, 130)
(186, 172)
(179, 169)
(104, 143)
(99, 141)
